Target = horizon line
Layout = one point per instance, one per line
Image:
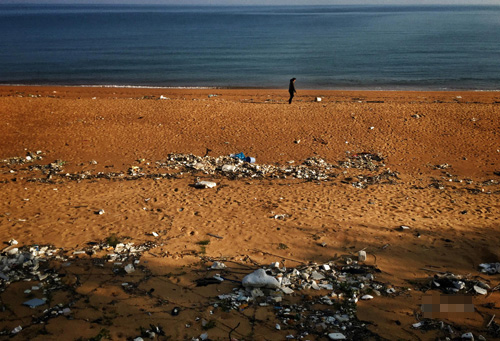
(111, 3)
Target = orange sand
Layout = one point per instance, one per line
(92, 130)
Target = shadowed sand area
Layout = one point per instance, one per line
(439, 175)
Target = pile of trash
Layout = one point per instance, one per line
(449, 283)
(124, 256)
(234, 167)
(50, 169)
(386, 176)
(368, 161)
(27, 264)
(36, 264)
(20, 160)
(31, 264)
(490, 268)
(337, 288)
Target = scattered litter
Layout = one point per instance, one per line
(129, 268)
(480, 290)
(418, 325)
(259, 279)
(218, 266)
(13, 251)
(362, 256)
(215, 236)
(364, 160)
(16, 330)
(232, 166)
(442, 166)
(449, 283)
(345, 285)
(336, 336)
(281, 216)
(490, 268)
(35, 302)
(228, 168)
(242, 157)
(205, 184)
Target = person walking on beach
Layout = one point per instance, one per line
(291, 90)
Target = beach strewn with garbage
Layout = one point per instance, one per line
(229, 214)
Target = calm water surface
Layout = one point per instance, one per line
(325, 47)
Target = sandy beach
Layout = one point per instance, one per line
(87, 171)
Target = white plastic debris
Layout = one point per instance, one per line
(218, 277)
(204, 336)
(16, 330)
(404, 227)
(391, 291)
(317, 276)
(205, 184)
(218, 266)
(362, 256)
(100, 212)
(228, 168)
(13, 251)
(326, 267)
(336, 336)
(13, 242)
(468, 336)
(278, 327)
(318, 99)
(259, 279)
(315, 285)
(480, 290)
(367, 297)
(418, 325)
(154, 234)
(129, 268)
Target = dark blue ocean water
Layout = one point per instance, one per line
(325, 47)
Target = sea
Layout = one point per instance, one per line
(431, 47)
